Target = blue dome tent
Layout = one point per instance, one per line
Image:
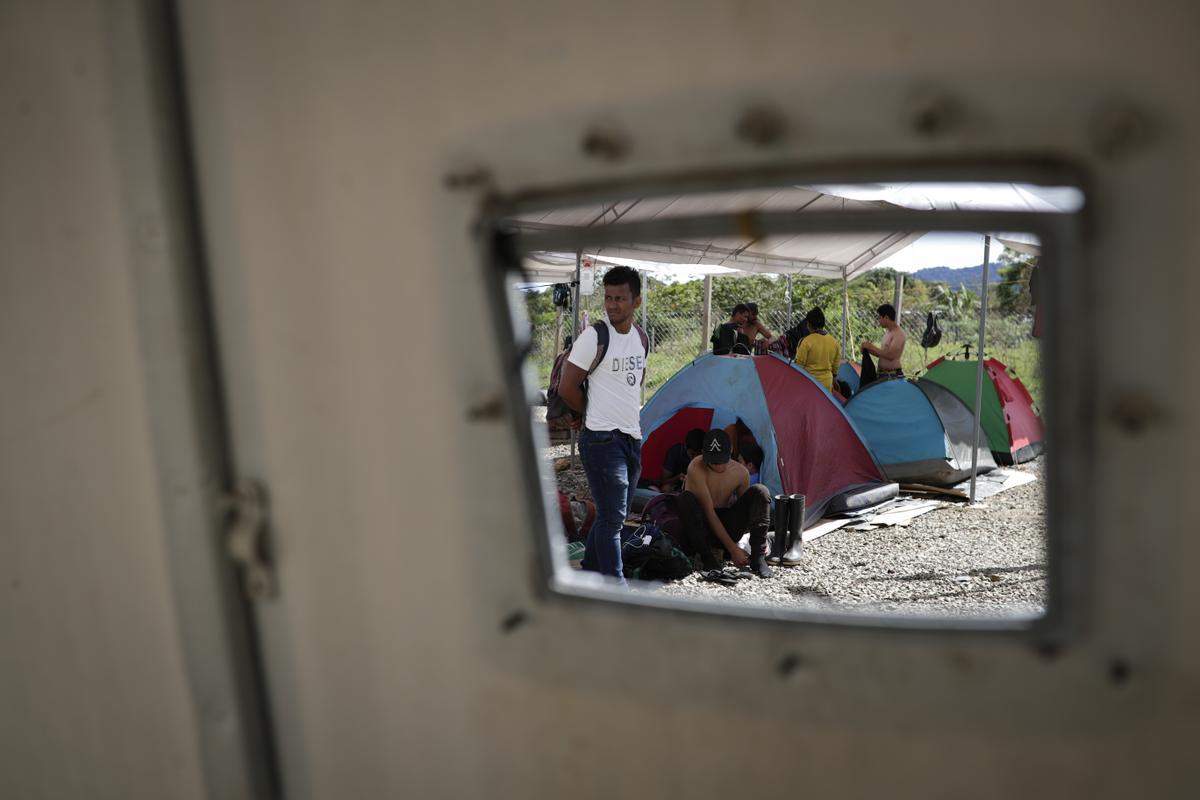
(918, 432)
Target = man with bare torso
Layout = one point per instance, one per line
(892, 346)
(752, 328)
(718, 505)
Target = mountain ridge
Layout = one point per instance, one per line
(959, 277)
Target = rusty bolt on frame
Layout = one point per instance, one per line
(1118, 129)
(762, 126)
(607, 144)
(1134, 411)
(934, 114)
(469, 178)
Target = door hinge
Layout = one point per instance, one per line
(245, 506)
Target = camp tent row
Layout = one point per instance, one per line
(835, 255)
(809, 444)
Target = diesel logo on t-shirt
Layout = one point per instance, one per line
(628, 364)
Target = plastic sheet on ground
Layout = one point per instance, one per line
(997, 481)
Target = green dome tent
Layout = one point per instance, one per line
(1006, 415)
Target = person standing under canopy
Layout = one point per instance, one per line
(728, 338)
(610, 444)
(818, 353)
(752, 328)
(892, 346)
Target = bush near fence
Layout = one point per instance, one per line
(676, 335)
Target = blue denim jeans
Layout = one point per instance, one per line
(612, 462)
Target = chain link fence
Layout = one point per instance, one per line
(677, 335)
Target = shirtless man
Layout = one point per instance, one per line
(752, 328)
(710, 517)
(892, 346)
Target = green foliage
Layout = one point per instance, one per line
(1012, 293)
(674, 317)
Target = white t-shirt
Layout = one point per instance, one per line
(614, 395)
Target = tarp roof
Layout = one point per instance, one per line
(824, 255)
(971, 197)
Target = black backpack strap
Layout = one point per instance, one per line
(601, 329)
(645, 347)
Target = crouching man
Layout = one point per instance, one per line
(718, 505)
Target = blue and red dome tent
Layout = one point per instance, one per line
(918, 431)
(809, 445)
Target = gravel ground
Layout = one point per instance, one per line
(958, 560)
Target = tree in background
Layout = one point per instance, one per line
(953, 304)
(1012, 293)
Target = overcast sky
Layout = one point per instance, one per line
(942, 250)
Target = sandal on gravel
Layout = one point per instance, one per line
(719, 576)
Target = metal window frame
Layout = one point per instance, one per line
(1067, 369)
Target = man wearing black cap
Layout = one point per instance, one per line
(718, 505)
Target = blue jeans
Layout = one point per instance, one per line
(612, 462)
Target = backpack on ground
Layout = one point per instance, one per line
(558, 413)
(662, 510)
(648, 554)
(577, 516)
(933, 332)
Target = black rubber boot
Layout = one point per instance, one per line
(794, 555)
(759, 561)
(782, 516)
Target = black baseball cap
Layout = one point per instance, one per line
(716, 447)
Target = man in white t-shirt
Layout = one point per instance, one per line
(610, 442)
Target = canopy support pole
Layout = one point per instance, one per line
(845, 316)
(706, 315)
(575, 330)
(789, 302)
(645, 327)
(983, 306)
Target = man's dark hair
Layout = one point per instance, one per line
(752, 454)
(739, 308)
(620, 276)
(815, 319)
(694, 440)
(887, 310)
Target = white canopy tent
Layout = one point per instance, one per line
(971, 197)
(841, 256)
(834, 255)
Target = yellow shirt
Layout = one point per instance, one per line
(819, 356)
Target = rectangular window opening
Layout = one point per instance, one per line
(738, 331)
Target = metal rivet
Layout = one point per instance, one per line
(469, 178)
(490, 409)
(513, 621)
(1134, 411)
(1118, 129)
(605, 143)
(762, 126)
(932, 114)
(1048, 650)
(789, 665)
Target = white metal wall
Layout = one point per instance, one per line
(94, 698)
(324, 135)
